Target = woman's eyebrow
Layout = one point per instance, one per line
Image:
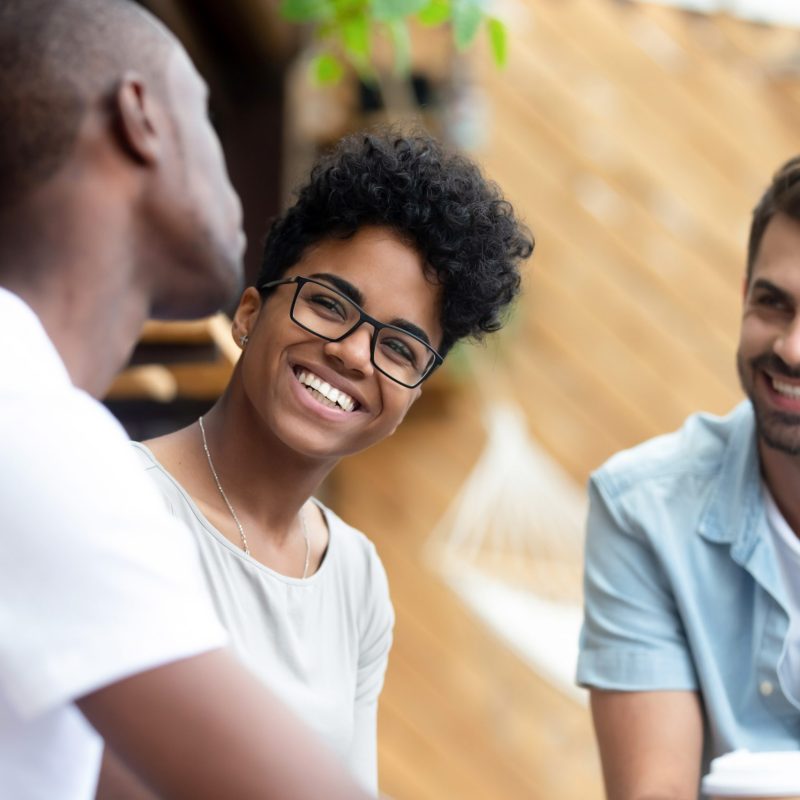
(345, 287)
(410, 327)
(353, 293)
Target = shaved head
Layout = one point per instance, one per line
(57, 59)
(112, 178)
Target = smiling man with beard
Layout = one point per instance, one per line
(691, 638)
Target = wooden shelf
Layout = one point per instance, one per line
(195, 362)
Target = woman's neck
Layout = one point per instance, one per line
(267, 482)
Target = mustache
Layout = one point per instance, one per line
(775, 365)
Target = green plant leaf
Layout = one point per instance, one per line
(458, 364)
(327, 69)
(467, 18)
(498, 38)
(305, 10)
(355, 37)
(436, 12)
(344, 8)
(396, 10)
(368, 74)
(401, 40)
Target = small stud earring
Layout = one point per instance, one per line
(243, 340)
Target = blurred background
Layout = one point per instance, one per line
(634, 138)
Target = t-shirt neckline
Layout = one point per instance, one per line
(223, 540)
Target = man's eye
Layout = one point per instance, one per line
(772, 301)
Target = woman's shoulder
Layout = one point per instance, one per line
(365, 578)
(145, 456)
(355, 550)
(348, 537)
(166, 484)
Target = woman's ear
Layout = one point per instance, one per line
(244, 319)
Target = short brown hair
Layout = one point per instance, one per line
(781, 197)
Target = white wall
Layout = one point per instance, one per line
(781, 12)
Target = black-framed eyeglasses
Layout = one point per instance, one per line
(331, 315)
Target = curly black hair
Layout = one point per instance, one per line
(437, 201)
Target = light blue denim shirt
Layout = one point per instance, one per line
(682, 587)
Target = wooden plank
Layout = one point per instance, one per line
(618, 132)
(464, 712)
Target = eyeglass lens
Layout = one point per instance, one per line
(329, 314)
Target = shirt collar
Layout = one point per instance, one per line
(733, 511)
(28, 349)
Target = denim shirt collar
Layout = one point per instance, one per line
(736, 502)
(735, 512)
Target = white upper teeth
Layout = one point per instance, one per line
(789, 389)
(326, 390)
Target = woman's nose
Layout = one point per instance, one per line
(354, 352)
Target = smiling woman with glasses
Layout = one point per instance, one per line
(394, 250)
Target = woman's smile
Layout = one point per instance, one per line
(328, 391)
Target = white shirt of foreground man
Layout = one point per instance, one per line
(115, 205)
(89, 592)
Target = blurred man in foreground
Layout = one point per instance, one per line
(115, 205)
(691, 640)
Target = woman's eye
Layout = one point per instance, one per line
(328, 304)
(400, 351)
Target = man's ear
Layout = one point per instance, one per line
(137, 119)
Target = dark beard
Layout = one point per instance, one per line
(779, 430)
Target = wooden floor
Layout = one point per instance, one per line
(635, 139)
(461, 717)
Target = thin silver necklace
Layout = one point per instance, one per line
(245, 547)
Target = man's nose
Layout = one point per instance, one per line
(787, 345)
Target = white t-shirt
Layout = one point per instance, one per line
(321, 643)
(787, 549)
(96, 582)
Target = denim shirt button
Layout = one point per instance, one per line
(766, 688)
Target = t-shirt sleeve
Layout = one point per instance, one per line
(376, 641)
(632, 637)
(97, 582)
